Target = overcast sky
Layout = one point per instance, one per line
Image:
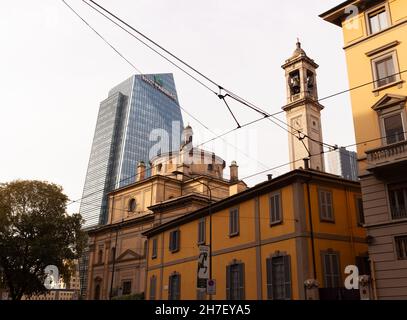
(54, 72)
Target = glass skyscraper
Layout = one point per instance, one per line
(133, 111)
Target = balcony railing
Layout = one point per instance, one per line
(387, 154)
(398, 213)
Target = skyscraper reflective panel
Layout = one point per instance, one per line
(135, 112)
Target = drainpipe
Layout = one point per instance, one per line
(311, 229)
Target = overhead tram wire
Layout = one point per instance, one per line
(279, 166)
(221, 135)
(234, 96)
(220, 87)
(140, 72)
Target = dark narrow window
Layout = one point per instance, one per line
(325, 206)
(132, 205)
(153, 287)
(174, 241)
(279, 278)
(330, 262)
(362, 262)
(234, 222)
(100, 256)
(235, 289)
(401, 247)
(126, 287)
(174, 287)
(201, 231)
(154, 248)
(398, 200)
(394, 129)
(275, 209)
(359, 211)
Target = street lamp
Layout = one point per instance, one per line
(210, 218)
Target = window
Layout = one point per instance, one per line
(330, 261)
(174, 287)
(378, 20)
(401, 247)
(132, 205)
(126, 286)
(234, 222)
(201, 231)
(210, 167)
(362, 262)
(174, 241)
(278, 278)
(359, 211)
(235, 281)
(398, 200)
(385, 71)
(154, 248)
(153, 286)
(100, 254)
(393, 128)
(275, 209)
(325, 206)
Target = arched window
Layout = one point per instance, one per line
(132, 205)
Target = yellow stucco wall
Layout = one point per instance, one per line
(341, 237)
(357, 43)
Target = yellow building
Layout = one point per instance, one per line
(117, 260)
(375, 44)
(266, 241)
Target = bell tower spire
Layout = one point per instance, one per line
(303, 110)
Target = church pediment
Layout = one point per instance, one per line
(389, 100)
(129, 255)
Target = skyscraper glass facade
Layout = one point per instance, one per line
(123, 137)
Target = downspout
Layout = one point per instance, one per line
(373, 271)
(349, 218)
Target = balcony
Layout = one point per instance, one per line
(398, 213)
(391, 155)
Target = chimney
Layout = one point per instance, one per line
(234, 175)
(141, 171)
(306, 163)
(270, 177)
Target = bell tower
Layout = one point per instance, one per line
(303, 111)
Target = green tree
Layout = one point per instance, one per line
(36, 231)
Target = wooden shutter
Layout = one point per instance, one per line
(152, 287)
(171, 241)
(269, 267)
(178, 291)
(170, 288)
(322, 203)
(335, 271)
(177, 239)
(327, 270)
(228, 280)
(329, 213)
(287, 277)
(241, 281)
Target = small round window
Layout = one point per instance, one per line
(132, 205)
